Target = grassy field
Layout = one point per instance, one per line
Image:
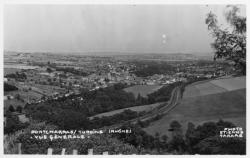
(202, 89)
(229, 106)
(208, 101)
(11, 70)
(215, 86)
(46, 89)
(20, 66)
(135, 108)
(143, 90)
(231, 84)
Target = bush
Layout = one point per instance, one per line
(8, 87)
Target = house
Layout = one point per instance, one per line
(21, 117)
(8, 97)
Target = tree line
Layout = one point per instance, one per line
(202, 139)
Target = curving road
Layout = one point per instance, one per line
(175, 96)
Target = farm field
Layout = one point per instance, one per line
(202, 89)
(143, 90)
(46, 89)
(231, 84)
(20, 66)
(11, 70)
(215, 86)
(135, 108)
(198, 106)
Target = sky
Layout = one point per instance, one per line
(118, 29)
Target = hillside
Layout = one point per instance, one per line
(143, 90)
(207, 101)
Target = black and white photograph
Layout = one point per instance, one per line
(124, 79)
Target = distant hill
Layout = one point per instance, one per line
(166, 57)
(128, 55)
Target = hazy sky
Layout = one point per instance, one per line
(109, 28)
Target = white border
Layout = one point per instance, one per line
(125, 1)
(148, 2)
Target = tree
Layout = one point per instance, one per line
(12, 125)
(49, 70)
(19, 109)
(43, 97)
(217, 145)
(190, 136)
(49, 80)
(157, 141)
(164, 139)
(139, 99)
(175, 125)
(139, 140)
(18, 97)
(177, 143)
(106, 80)
(204, 139)
(229, 44)
(11, 108)
(8, 87)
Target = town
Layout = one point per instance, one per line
(66, 75)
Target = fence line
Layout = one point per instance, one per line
(90, 152)
(19, 148)
(63, 151)
(74, 152)
(50, 151)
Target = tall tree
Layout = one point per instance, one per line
(230, 43)
(177, 142)
(190, 136)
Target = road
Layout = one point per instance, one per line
(175, 96)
